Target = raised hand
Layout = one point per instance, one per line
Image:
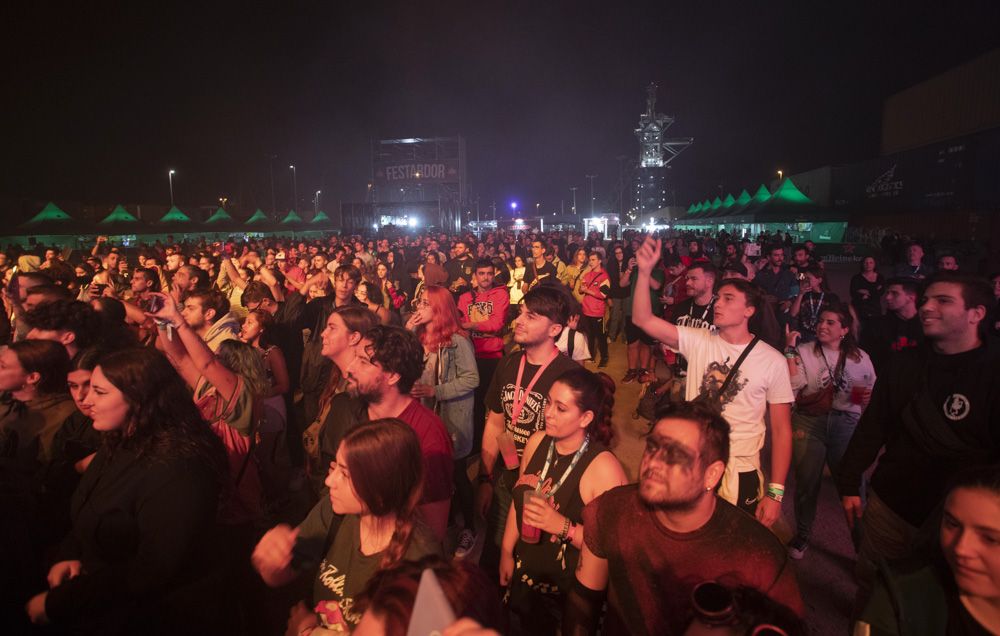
(648, 255)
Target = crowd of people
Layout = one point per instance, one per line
(281, 436)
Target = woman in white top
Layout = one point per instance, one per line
(516, 280)
(833, 379)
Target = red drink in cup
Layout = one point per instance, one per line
(858, 392)
(508, 450)
(529, 533)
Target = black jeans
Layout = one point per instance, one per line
(596, 336)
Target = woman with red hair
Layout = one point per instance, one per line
(448, 387)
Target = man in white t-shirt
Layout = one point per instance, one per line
(760, 384)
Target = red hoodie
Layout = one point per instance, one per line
(486, 335)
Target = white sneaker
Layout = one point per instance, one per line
(466, 543)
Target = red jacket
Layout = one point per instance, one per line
(486, 335)
(595, 286)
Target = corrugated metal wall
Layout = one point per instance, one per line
(961, 101)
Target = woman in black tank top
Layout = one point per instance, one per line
(569, 464)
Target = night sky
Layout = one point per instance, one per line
(100, 100)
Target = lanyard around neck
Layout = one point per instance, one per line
(521, 395)
(548, 463)
(704, 313)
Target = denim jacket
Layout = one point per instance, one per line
(457, 379)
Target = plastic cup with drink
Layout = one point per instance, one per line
(861, 390)
(529, 533)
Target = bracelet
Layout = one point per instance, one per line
(791, 355)
(565, 529)
(776, 491)
(570, 534)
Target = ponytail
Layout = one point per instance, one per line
(402, 532)
(594, 392)
(386, 468)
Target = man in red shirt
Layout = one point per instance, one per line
(649, 544)
(484, 310)
(390, 360)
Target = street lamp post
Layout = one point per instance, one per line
(591, 177)
(295, 188)
(316, 204)
(781, 174)
(270, 171)
(170, 179)
(573, 190)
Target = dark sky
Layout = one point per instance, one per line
(100, 99)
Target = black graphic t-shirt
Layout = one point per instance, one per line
(343, 571)
(500, 396)
(690, 314)
(547, 274)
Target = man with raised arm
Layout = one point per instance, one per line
(759, 383)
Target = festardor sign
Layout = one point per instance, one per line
(437, 171)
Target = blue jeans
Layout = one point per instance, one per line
(816, 441)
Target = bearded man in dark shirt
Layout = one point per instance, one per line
(649, 544)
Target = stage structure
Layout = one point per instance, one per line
(417, 182)
(650, 188)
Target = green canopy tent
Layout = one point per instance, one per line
(221, 221)
(258, 218)
(738, 214)
(789, 206)
(258, 222)
(786, 203)
(219, 216)
(175, 216)
(52, 221)
(120, 222)
(727, 204)
(291, 223)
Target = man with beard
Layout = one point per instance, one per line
(389, 361)
(647, 545)
(460, 269)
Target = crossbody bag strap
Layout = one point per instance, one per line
(739, 361)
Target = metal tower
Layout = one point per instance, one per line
(655, 153)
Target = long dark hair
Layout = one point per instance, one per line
(594, 392)
(849, 345)
(47, 358)
(387, 472)
(359, 319)
(163, 421)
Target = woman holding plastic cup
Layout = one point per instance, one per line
(832, 379)
(565, 467)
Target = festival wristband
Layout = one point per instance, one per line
(776, 492)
